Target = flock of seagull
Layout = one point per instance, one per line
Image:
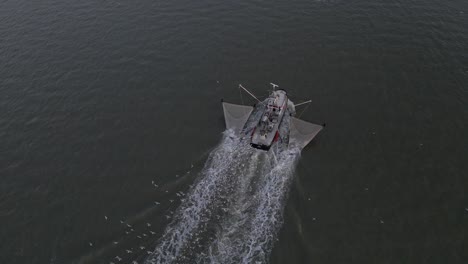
(129, 228)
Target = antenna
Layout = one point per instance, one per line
(306, 102)
(240, 86)
(274, 86)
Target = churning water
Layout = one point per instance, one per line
(234, 211)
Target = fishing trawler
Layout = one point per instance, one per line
(270, 121)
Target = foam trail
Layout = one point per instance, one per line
(234, 211)
(268, 215)
(195, 212)
(248, 235)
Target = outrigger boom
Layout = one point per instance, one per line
(306, 102)
(245, 89)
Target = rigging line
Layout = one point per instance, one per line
(305, 108)
(240, 92)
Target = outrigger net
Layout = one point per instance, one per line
(236, 116)
(302, 132)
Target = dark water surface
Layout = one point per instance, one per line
(100, 98)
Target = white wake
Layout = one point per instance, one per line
(234, 211)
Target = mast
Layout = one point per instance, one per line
(274, 86)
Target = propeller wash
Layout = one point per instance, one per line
(234, 211)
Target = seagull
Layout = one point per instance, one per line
(121, 221)
(132, 229)
(139, 237)
(129, 225)
(90, 244)
(152, 182)
(381, 221)
(148, 224)
(115, 242)
(171, 201)
(126, 232)
(142, 247)
(191, 165)
(105, 217)
(134, 262)
(149, 252)
(144, 235)
(153, 233)
(156, 203)
(118, 258)
(167, 216)
(129, 251)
